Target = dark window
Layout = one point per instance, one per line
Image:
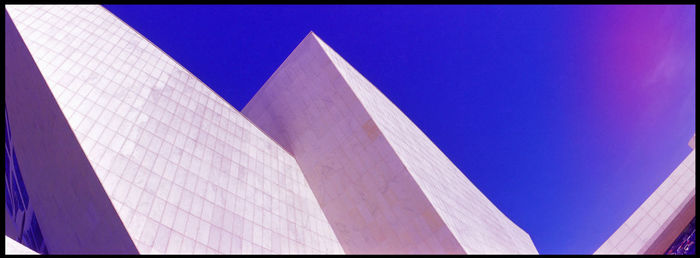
(17, 199)
(685, 243)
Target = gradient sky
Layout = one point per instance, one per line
(566, 117)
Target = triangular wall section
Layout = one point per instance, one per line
(478, 225)
(368, 196)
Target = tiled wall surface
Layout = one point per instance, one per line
(656, 214)
(184, 170)
(382, 183)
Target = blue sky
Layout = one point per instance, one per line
(566, 117)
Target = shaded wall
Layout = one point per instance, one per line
(71, 208)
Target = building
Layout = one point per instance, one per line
(665, 222)
(113, 147)
(383, 185)
(159, 162)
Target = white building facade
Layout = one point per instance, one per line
(321, 162)
(665, 222)
(185, 172)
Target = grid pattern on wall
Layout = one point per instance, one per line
(185, 171)
(656, 213)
